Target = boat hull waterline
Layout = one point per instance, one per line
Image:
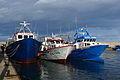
(57, 54)
(25, 50)
(92, 53)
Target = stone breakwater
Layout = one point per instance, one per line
(2, 43)
(111, 44)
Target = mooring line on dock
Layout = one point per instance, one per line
(3, 73)
(6, 65)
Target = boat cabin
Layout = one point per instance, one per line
(20, 36)
(86, 42)
(83, 39)
(52, 42)
(24, 32)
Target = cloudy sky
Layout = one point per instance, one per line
(101, 16)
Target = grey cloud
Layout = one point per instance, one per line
(57, 9)
(56, 13)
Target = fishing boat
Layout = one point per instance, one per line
(86, 47)
(54, 49)
(23, 47)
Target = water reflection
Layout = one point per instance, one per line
(72, 70)
(28, 71)
(89, 66)
(56, 71)
(47, 70)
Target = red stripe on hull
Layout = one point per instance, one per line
(25, 61)
(59, 60)
(62, 61)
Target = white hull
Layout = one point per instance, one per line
(60, 53)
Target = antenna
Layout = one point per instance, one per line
(69, 28)
(76, 22)
(25, 24)
(47, 29)
(60, 29)
(37, 35)
(17, 29)
(85, 26)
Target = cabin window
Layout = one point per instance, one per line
(31, 36)
(62, 41)
(52, 42)
(94, 40)
(25, 36)
(57, 42)
(19, 36)
(90, 40)
(85, 40)
(80, 40)
(87, 44)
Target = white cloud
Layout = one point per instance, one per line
(2, 0)
(91, 12)
(3, 12)
(56, 9)
(46, 1)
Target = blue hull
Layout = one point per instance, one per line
(23, 50)
(91, 53)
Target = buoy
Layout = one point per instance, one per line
(70, 52)
(38, 54)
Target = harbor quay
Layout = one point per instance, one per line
(7, 70)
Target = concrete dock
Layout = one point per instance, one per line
(7, 71)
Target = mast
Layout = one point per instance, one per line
(60, 29)
(25, 26)
(85, 26)
(76, 22)
(25, 23)
(47, 29)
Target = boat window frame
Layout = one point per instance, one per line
(53, 42)
(58, 41)
(20, 37)
(30, 36)
(25, 36)
(94, 40)
(80, 40)
(87, 44)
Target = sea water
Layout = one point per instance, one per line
(72, 70)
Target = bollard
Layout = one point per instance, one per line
(8, 73)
